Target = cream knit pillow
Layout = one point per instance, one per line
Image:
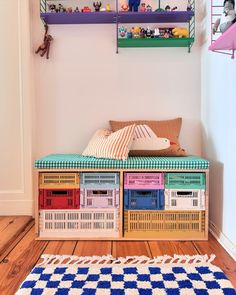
(108, 144)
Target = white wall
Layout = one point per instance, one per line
(85, 83)
(219, 141)
(15, 109)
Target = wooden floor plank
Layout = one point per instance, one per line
(17, 265)
(59, 248)
(223, 259)
(90, 248)
(134, 248)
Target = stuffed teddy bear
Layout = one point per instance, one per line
(228, 17)
(180, 32)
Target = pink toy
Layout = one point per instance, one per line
(143, 7)
(125, 7)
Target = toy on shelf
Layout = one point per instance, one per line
(135, 32)
(228, 17)
(129, 35)
(142, 33)
(44, 48)
(156, 33)
(125, 7)
(189, 6)
(143, 7)
(52, 8)
(61, 8)
(86, 9)
(180, 32)
(133, 5)
(69, 9)
(168, 8)
(76, 9)
(122, 32)
(97, 5)
(148, 33)
(149, 8)
(108, 7)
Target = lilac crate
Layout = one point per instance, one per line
(99, 198)
(144, 181)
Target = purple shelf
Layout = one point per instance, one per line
(123, 17)
(155, 17)
(79, 18)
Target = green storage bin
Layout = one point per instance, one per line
(186, 180)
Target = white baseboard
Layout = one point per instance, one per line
(225, 242)
(16, 207)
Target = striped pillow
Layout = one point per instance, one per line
(112, 145)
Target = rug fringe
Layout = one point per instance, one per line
(130, 260)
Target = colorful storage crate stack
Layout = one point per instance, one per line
(184, 214)
(88, 207)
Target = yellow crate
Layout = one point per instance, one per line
(59, 180)
(164, 224)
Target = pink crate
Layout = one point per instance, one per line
(144, 181)
(99, 198)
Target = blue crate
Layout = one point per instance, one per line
(104, 180)
(144, 199)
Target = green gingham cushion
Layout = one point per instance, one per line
(72, 161)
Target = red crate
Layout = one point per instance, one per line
(59, 199)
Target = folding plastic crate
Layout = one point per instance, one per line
(99, 180)
(59, 199)
(184, 199)
(164, 224)
(144, 180)
(79, 223)
(99, 198)
(58, 180)
(144, 199)
(186, 180)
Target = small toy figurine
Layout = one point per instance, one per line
(149, 8)
(143, 7)
(135, 32)
(133, 5)
(76, 9)
(228, 17)
(142, 33)
(61, 8)
(108, 7)
(189, 5)
(180, 32)
(125, 7)
(129, 35)
(122, 32)
(167, 8)
(69, 9)
(148, 33)
(86, 9)
(97, 5)
(156, 33)
(45, 46)
(52, 8)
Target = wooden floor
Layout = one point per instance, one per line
(19, 251)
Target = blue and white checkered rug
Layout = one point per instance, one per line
(178, 275)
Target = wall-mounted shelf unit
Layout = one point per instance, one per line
(61, 18)
(227, 41)
(118, 17)
(222, 43)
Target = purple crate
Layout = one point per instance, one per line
(144, 181)
(99, 198)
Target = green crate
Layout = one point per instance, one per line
(185, 180)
